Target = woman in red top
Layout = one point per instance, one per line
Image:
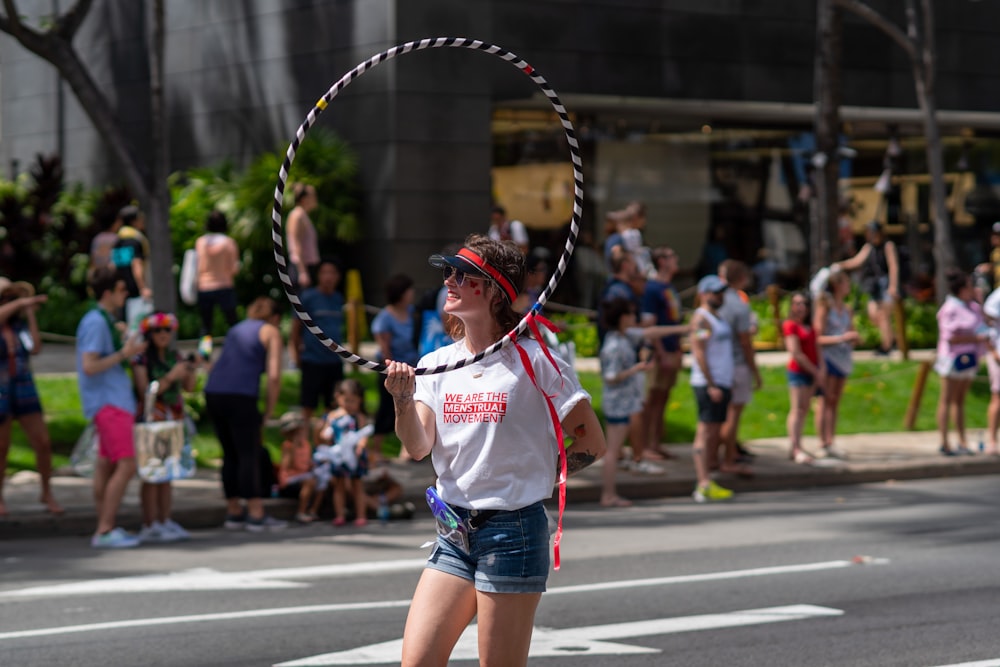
(805, 373)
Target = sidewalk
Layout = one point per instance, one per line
(198, 502)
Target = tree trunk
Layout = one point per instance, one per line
(158, 204)
(827, 127)
(944, 253)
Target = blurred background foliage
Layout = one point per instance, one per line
(46, 225)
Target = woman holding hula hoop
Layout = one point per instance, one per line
(495, 465)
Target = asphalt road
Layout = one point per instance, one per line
(887, 574)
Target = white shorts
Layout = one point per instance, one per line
(945, 367)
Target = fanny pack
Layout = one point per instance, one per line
(450, 525)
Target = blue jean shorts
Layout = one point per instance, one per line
(507, 554)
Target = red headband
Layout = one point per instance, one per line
(484, 266)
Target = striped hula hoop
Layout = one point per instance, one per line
(276, 226)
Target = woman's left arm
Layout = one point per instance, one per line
(582, 425)
(36, 336)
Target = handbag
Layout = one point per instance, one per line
(189, 277)
(160, 445)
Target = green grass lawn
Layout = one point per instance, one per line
(875, 401)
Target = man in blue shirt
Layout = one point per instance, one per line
(321, 368)
(108, 400)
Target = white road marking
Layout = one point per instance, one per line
(207, 579)
(995, 662)
(548, 643)
(201, 618)
(710, 576)
(259, 579)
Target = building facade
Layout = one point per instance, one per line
(701, 109)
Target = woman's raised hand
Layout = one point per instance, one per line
(400, 380)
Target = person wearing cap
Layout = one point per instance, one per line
(490, 428)
(746, 377)
(878, 260)
(712, 381)
(19, 339)
(174, 376)
(102, 362)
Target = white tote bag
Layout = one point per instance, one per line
(189, 277)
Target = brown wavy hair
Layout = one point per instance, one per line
(507, 258)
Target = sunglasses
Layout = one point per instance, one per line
(450, 271)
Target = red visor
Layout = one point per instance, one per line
(484, 266)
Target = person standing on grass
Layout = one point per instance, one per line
(108, 400)
(962, 335)
(393, 331)
(218, 264)
(661, 305)
(878, 260)
(253, 347)
(623, 378)
(746, 377)
(19, 339)
(834, 325)
(711, 380)
(303, 242)
(991, 312)
(805, 373)
(321, 369)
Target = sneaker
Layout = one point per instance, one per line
(116, 538)
(151, 533)
(964, 451)
(712, 492)
(647, 468)
(626, 464)
(235, 522)
(171, 531)
(265, 524)
(834, 452)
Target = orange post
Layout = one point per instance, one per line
(918, 393)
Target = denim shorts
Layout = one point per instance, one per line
(799, 378)
(508, 554)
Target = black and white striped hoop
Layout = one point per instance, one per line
(574, 147)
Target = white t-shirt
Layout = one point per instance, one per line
(495, 447)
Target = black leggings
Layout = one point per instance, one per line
(225, 299)
(246, 466)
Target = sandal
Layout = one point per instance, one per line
(302, 517)
(340, 521)
(802, 458)
(615, 501)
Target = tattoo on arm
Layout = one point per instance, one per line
(402, 404)
(577, 461)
